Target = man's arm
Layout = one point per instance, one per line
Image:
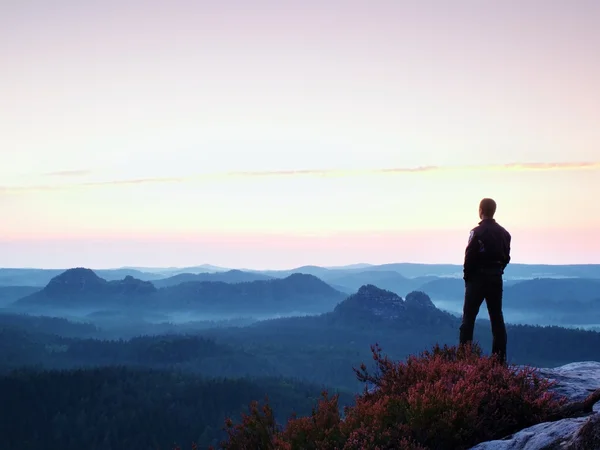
(470, 255)
(507, 250)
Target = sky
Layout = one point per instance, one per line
(273, 134)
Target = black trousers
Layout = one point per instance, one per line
(490, 288)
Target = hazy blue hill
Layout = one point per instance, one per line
(75, 281)
(295, 293)
(445, 288)
(231, 276)
(547, 289)
(310, 270)
(558, 301)
(9, 294)
(298, 282)
(83, 287)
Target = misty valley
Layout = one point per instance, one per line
(143, 358)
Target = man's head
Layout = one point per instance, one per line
(487, 208)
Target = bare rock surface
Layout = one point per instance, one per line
(576, 381)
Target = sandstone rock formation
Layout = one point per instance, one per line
(577, 381)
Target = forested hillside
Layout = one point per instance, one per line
(115, 408)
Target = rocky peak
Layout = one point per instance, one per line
(75, 280)
(373, 292)
(373, 301)
(131, 285)
(418, 299)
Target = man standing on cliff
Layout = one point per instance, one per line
(486, 256)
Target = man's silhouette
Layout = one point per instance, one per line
(486, 256)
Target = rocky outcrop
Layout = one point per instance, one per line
(577, 381)
(373, 304)
(131, 286)
(419, 300)
(85, 281)
(370, 301)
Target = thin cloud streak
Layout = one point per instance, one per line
(533, 166)
(553, 166)
(69, 173)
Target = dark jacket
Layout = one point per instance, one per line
(488, 250)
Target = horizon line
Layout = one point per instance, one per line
(349, 266)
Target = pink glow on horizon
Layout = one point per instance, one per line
(262, 251)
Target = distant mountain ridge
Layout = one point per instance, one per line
(515, 271)
(169, 271)
(41, 277)
(230, 276)
(414, 270)
(563, 300)
(83, 288)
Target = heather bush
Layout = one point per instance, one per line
(257, 430)
(445, 398)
